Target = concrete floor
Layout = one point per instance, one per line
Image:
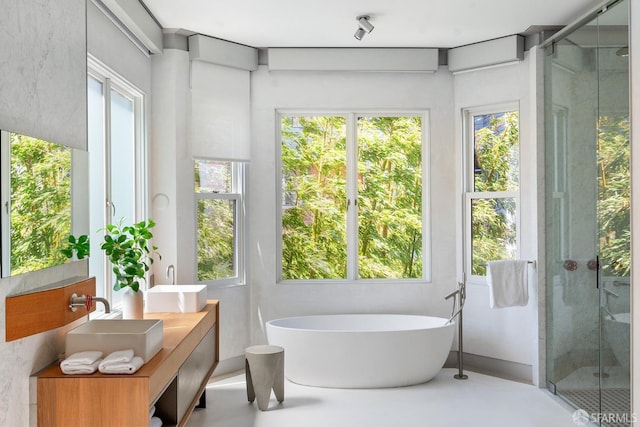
(443, 402)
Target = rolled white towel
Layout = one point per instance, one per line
(84, 362)
(155, 422)
(116, 358)
(123, 367)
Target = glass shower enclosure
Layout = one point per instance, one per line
(587, 203)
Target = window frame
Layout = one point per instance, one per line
(351, 220)
(237, 193)
(112, 81)
(469, 193)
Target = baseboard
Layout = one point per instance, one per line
(228, 366)
(491, 366)
(471, 362)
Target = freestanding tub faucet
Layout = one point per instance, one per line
(460, 294)
(86, 301)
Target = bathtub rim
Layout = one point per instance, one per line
(401, 328)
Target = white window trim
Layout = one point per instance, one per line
(238, 193)
(469, 195)
(111, 80)
(350, 116)
(5, 206)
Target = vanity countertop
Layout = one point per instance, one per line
(182, 333)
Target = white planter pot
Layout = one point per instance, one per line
(132, 304)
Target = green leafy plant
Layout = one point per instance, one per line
(130, 252)
(79, 245)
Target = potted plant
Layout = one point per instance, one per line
(131, 255)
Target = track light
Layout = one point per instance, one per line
(364, 27)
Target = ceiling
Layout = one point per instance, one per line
(332, 23)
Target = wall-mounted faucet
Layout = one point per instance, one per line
(171, 273)
(86, 301)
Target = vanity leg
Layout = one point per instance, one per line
(202, 404)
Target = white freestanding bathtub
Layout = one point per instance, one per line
(362, 350)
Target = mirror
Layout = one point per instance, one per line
(44, 190)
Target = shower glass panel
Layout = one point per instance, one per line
(588, 224)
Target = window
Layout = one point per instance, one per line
(219, 189)
(117, 163)
(492, 188)
(353, 197)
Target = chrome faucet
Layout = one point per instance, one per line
(171, 272)
(86, 301)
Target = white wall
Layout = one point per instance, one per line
(43, 62)
(190, 114)
(169, 114)
(43, 86)
(507, 333)
(355, 91)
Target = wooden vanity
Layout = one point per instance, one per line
(172, 381)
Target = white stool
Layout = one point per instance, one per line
(264, 369)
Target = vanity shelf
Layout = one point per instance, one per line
(172, 381)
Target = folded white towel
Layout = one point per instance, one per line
(155, 422)
(116, 358)
(123, 367)
(82, 358)
(507, 282)
(84, 362)
(79, 368)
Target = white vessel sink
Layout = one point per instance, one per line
(107, 336)
(176, 298)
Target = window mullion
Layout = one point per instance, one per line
(107, 150)
(352, 197)
(108, 277)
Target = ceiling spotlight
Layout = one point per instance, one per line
(364, 26)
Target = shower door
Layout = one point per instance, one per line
(587, 197)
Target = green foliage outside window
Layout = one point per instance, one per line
(390, 197)
(40, 203)
(614, 195)
(493, 220)
(315, 202)
(216, 251)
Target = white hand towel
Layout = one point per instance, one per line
(155, 422)
(82, 358)
(84, 362)
(507, 282)
(80, 369)
(123, 367)
(117, 357)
